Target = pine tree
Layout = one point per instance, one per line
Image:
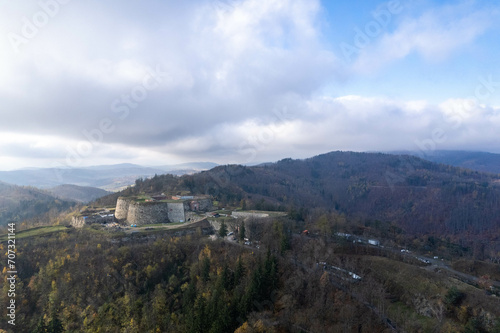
(239, 271)
(205, 269)
(41, 327)
(242, 232)
(223, 229)
(55, 325)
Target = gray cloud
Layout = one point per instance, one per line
(225, 74)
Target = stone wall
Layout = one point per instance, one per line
(78, 222)
(148, 213)
(204, 204)
(231, 225)
(131, 212)
(246, 215)
(193, 217)
(121, 211)
(176, 212)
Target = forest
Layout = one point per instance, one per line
(89, 280)
(421, 197)
(285, 280)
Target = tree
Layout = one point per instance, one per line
(223, 229)
(496, 328)
(239, 271)
(454, 296)
(242, 232)
(205, 269)
(55, 325)
(41, 327)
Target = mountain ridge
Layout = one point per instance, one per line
(18, 203)
(415, 194)
(473, 160)
(81, 194)
(106, 177)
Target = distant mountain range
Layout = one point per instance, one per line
(33, 192)
(479, 161)
(106, 177)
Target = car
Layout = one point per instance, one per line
(247, 243)
(230, 234)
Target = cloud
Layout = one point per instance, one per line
(221, 65)
(435, 35)
(162, 82)
(350, 123)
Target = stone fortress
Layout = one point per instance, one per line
(159, 209)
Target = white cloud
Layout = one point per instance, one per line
(434, 35)
(231, 71)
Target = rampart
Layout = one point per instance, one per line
(130, 211)
(121, 211)
(147, 213)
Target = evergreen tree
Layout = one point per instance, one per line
(41, 327)
(239, 271)
(223, 229)
(55, 325)
(205, 269)
(242, 232)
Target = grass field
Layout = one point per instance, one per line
(39, 231)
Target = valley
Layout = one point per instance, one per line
(329, 243)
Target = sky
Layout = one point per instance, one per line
(159, 82)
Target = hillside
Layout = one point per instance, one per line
(18, 203)
(473, 160)
(106, 177)
(94, 279)
(76, 193)
(268, 275)
(418, 195)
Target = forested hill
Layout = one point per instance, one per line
(474, 160)
(18, 203)
(419, 195)
(77, 193)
